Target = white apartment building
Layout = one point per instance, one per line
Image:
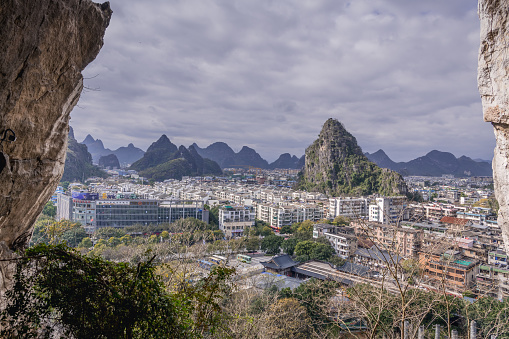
(235, 220)
(348, 207)
(389, 210)
(278, 216)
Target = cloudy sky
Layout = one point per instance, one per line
(400, 74)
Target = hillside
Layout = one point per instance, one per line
(286, 160)
(78, 162)
(335, 164)
(163, 160)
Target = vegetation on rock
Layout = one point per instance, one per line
(336, 165)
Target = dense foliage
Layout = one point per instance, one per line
(60, 292)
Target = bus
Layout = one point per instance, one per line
(244, 258)
(218, 259)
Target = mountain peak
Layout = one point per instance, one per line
(88, 139)
(164, 143)
(335, 164)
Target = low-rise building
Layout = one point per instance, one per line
(449, 269)
(235, 220)
(342, 239)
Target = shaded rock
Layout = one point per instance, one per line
(493, 83)
(45, 46)
(109, 160)
(78, 163)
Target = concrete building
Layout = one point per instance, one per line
(278, 215)
(348, 207)
(342, 239)
(451, 269)
(493, 277)
(389, 210)
(93, 212)
(235, 220)
(405, 241)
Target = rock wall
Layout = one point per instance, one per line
(45, 46)
(493, 83)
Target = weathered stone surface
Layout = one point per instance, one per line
(493, 83)
(335, 164)
(45, 46)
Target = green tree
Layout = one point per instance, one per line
(165, 235)
(108, 232)
(86, 243)
(286, 229)
(271, 244)
(304, 230)
(74, 236)
(114, 242)
(322, 252)
(341, 221)
(266, 231)
(252, 244)
(70, 295)
(305, 248)
(288, 245)
(336, 261)
(49, 209)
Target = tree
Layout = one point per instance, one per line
(341, 221)
(305, 248)
(286, 229)
(59, 292)
(322, 252)
(49, 209)
(271, 244)
(304, 230)
(252, 244)
(74, 236)
(266, 231)
(108, 232)
(86, 243)
(165, 235)
(288, 245)
(113, 242)
(287, 318)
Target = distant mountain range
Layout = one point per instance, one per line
(435, 163)
(163, 160)
(125, 155)
(224, 155)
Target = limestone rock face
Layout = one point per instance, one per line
(335, 164)
(493, 83)
(45, 46)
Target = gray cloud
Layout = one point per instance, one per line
(401, 75)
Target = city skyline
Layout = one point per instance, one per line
(401, 76)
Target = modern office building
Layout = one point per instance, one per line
(93, 212)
